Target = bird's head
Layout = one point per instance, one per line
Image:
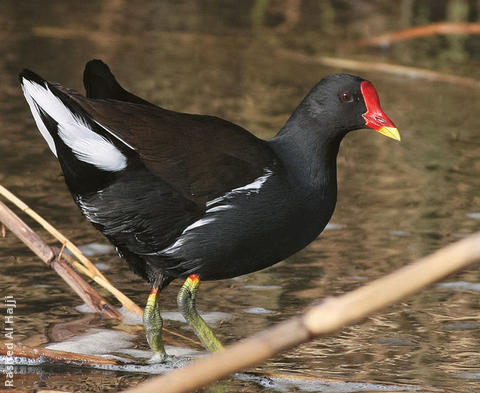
(347, 102)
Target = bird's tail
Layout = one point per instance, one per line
(100, 82)
(31, 84)
(80, 143)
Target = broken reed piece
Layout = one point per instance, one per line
(330, 316)
(50, 255)
(86, 266)
(8, 390)
(89, 295)
(54, 356)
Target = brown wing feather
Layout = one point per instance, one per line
(202, 157)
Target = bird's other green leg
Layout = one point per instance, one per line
(186, 302)
(153, 324)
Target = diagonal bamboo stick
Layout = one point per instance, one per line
(328, 317)
(86, 266)
(52, 258)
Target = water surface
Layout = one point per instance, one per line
(397, 202)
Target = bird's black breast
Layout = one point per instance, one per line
(247, 230)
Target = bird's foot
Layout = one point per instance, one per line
(159, 357)
(154, 339)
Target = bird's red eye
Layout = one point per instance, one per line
(346, 97)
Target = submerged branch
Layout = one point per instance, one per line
(328, 317)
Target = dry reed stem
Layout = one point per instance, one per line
(328, 317)
(55, 356)
(89, 268)
(444, 28)
(43, 391)
(52, 258)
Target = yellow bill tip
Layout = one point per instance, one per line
(391, 132)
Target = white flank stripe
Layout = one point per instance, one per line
(254, 186)
(184, 236)
(219, 208)
(199, 223)
(173, 248)
(213, 201)
(87, 145)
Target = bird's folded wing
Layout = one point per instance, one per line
(202, 157)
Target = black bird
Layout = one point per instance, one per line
(193, 196)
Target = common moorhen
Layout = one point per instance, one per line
(194, 196)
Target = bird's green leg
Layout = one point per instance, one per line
(153, 323)
(186, 303)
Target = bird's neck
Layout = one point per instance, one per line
(309, 151)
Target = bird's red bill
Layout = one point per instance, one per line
(374, 117)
